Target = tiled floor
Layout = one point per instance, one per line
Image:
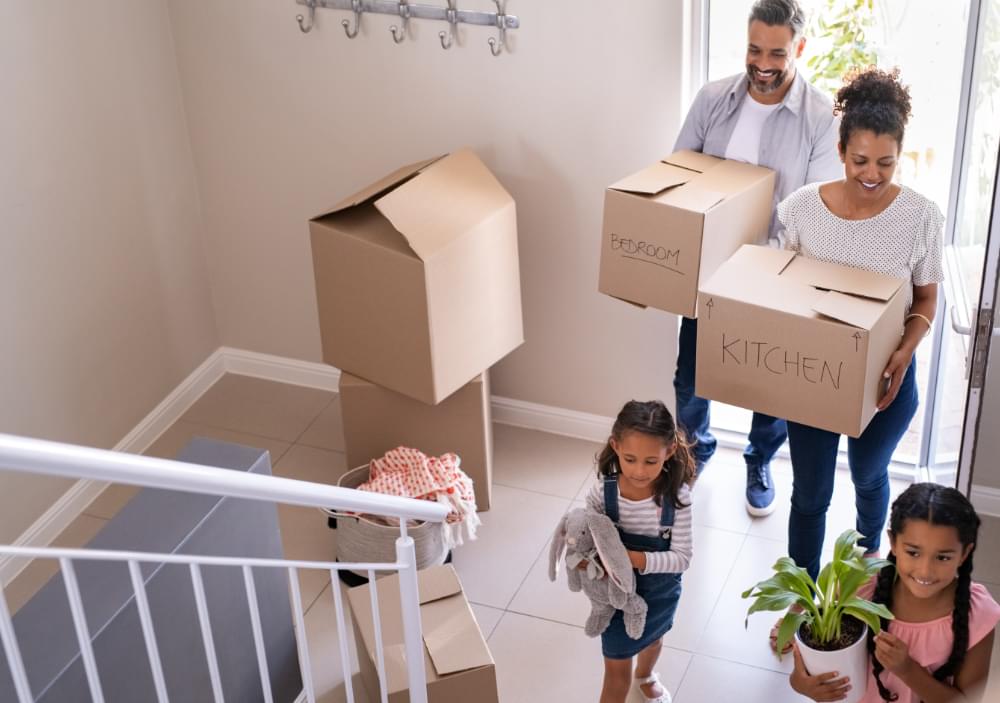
(534, 627)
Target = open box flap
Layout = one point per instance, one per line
(380, 186)
(654, 179)
(445, 201)
(844, 279)
(693, 160)
(695, 198)
(855, 311)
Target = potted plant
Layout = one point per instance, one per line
(827, 618)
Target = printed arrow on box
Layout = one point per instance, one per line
(710, 304)
(857, 340)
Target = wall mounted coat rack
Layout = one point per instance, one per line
(407, 11)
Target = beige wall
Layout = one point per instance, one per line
(284, 124)
(104, 299)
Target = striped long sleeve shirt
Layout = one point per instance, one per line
(642, 517)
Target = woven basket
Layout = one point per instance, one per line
(361, 540)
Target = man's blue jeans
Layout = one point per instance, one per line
(767, 433)
(814, 462)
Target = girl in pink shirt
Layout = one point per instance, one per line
(939, 645)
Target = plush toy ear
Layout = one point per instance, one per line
(556, 548)
(611, 551)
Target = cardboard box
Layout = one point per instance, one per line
(417, 278)
(377, 420)
(671, 225)
(459, 665)
(797, 338)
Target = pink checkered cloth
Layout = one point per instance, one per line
(410, 473)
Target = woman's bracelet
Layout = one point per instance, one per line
(922, 317)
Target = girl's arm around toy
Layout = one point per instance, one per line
(895, 657)
(678, 557)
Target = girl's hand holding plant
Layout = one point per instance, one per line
(893, 654)
(825, 687)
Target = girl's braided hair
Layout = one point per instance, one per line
(938, 505)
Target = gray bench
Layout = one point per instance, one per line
(169, 522)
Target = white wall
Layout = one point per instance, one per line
(284, 124)
(104, 299)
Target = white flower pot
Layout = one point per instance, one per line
(851, 662)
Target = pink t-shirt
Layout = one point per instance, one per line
(930, 642)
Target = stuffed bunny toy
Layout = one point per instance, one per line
(588, 535)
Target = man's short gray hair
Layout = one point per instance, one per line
(775, 13)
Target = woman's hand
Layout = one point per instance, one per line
(894, 372)
(824, 687)
(893, 653)
(638, 559)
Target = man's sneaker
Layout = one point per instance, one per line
(760, 490)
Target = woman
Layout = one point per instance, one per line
(865, 221)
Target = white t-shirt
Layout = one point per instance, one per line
(904, 240)
(744, 143)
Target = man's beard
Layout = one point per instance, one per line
(768, 86)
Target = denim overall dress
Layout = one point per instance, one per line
(660, 591)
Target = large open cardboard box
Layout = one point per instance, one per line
(377, 420)
(797, 338)
(417, 279)
(459, 665)
(671, 225)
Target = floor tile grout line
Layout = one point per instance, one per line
(718, 598)
(541, 551)
(315, 417)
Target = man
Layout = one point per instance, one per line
(771, 116)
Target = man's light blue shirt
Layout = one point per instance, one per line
(798, 140)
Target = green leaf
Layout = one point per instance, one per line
(789, 626)
(780, 601)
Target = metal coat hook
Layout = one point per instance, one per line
(311, 4)
(398, 35)
(497, 45)
(451, 14)
(357, 9)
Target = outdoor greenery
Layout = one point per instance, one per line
(843, 30)
(823, 603)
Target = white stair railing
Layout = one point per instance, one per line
(71, 461)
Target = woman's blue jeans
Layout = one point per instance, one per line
(814, 463)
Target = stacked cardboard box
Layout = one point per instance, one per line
(418, 290)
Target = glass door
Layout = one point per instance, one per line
(970, 258)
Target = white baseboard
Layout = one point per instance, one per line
(548, 418)
(985, 500)
(74, 501)
(281, 369)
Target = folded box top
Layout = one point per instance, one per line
(691, 180)
(784, 281)
(435, 201)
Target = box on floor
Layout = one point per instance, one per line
(417, 278)
(457, 660)
(797, 338)
(377, 419)
(670, 226)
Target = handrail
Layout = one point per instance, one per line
(57, 459)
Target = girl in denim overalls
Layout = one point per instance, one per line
(644, 477)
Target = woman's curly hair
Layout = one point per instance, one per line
(875, 100)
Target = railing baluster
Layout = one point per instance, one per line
(258, 635)
(345, 657)
(146, 619)
(14, 662)
(409, 595)
(305, 666)
(206, 632)
(377, 622)
(82, 633)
